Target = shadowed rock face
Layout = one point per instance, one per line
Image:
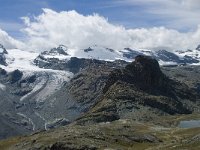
(138, 87)
(198, 47)
(15, 76)
(59, 50)
(144, 73)
(4, 50)
(2, 55)
(2, 72)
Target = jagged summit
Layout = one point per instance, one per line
(3, 50)
(139, 86)
(60, 50)
(164, 57)
(144, 72)
(198, 47)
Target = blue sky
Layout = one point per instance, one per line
(129, 13)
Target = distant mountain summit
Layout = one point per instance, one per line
(164, 57)
(60, 50)
(3, 51)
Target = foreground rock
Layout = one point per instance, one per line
(91, 137)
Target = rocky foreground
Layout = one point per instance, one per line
(117, 135)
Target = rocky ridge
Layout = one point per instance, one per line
(2, 55)
(100, 91)
(140, 86)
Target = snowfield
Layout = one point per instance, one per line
(47, 81)
(21, 60)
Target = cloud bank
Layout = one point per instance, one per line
(9, 42)
(75, 30)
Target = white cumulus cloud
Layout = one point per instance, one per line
(75, 30)
(9, 42)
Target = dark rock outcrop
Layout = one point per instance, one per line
(59, 50)
(2, 72)
(198, 47)
(141, 85)
(4, 50)
(2, 55)
(74, 64)
(88, 49)
(144, 72)
(15, 76)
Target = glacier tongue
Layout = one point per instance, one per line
(47, 82)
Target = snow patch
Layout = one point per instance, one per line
(58, 56)
(22, 60)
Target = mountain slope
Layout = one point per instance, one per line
(2, 55)
(55, 88)
(141, 91)
(123, 133)
(25, 89)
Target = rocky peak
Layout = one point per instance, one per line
(2, 72)
(3, 50)
(144, 70)
(88, 49)
(198, 47)
(2, 56)
(15, 76)
(144, 73)
(60, 50)
(145, 63)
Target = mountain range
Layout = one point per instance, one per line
(87, 87)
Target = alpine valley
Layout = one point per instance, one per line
(99, 98)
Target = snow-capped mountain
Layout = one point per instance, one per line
(24, 88)
(32, 84)
(102, 53)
